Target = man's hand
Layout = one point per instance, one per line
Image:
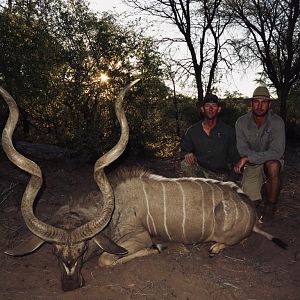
(240, 164)
(190, 158)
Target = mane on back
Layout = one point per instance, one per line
(126, 173)
(94, 198)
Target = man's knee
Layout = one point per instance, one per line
(252, 181)
(272, 168)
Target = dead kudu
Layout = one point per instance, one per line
(137, 206)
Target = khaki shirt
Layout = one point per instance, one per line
(261, 144)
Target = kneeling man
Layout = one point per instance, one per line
(261, 144)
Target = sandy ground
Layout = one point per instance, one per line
(253, 269)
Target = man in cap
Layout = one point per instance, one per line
(208, 148)
(261, 144)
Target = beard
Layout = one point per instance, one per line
(260, 114)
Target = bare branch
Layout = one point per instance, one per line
(201, 25)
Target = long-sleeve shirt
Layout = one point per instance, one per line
(260, 144)
(217, 151)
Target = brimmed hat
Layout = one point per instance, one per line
(261, 92)
(210, 98)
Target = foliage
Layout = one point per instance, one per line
(271, 35)
(54, 74)
(234, 105)
(175, 122)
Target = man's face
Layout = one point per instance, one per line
(210, 110)
(260, 107)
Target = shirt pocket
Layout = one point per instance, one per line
(222, 141)
(266, 139)
(252, 139)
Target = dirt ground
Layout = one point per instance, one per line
(254, 269)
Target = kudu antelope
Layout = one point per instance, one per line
(186, 210)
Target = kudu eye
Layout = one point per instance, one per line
(85, 247)
(68, 263)
(55, 250)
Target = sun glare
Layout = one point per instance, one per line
(104, 77)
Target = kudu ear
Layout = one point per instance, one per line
(108, 245)
(30, 244)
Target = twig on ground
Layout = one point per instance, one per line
(231, 285)
(235, 259)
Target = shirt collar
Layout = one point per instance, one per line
(252, 124)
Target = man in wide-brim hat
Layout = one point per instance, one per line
(264, 93)
(261, 144)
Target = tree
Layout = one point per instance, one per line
(54, 53)
(202, 25)
(24, 64)
(293, 110)
(272, 37)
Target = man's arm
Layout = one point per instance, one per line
(187, 148)
(276, 146)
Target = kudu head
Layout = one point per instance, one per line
(71, 241)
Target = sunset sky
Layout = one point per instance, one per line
(242, 81)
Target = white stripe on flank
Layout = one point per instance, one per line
(236, 213)
(225, 204)
(183, 211)
(248, 212)
(225, 210)
(165, 210)
(213, 209)
(148, 210)
(225, 207)
(222, 200)
(203, 211)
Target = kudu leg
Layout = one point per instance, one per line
(216, 249)
(234, 221)
(137, 246)
(140, 253)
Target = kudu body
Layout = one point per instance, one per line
(186, 210)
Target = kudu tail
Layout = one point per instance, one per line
(270, 237)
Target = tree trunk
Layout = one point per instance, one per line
(283, 93)
(175, 102)
(199, 84)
